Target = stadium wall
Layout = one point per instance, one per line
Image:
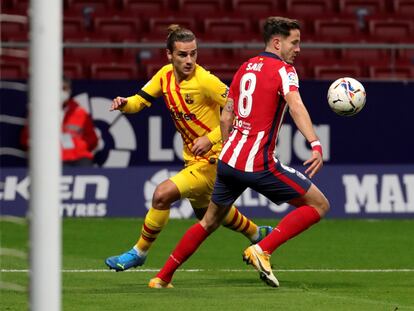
(368, 173)
(379, 134)
(354, 191)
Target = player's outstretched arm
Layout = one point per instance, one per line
(303, 122)
(118, 103)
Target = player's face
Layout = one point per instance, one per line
(290, 46)
(183, 58)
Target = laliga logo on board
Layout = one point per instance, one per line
(116, 136)
(179, 209)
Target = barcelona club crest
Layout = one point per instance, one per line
(188, 99)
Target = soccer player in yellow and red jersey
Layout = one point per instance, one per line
(194, 97)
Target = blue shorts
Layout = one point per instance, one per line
(279, 184)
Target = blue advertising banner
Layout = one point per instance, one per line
(379, 134)
(354, 191)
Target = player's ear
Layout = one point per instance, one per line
(169, 55)
(276, 42)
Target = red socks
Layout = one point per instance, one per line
(290, 226)
(188, 244)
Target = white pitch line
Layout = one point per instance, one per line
(222, 270)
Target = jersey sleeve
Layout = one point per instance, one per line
(215, 135)
(146, 96)
(289, 78)
(214, 89)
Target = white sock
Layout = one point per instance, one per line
(140, 253)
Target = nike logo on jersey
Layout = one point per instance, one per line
(226, 93)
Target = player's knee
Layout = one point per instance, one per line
(317, 200)
(162, 198)
(323, 206)
(214, 217)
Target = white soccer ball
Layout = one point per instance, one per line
(346, 96)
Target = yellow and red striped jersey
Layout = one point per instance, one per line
(194, 105)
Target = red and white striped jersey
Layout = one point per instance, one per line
(258, 90)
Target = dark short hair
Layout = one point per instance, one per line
(276, 25)
(178, 33)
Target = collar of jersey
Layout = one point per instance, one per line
(269, 54)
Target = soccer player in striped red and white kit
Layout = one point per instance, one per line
(262, 90)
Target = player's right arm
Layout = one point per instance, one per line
(226, 119)
(118, 103)
(144, 98)
(132, 104)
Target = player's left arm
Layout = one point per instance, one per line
(301, 117)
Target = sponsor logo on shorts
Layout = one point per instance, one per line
(300, 175)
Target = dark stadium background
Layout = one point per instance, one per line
(112, 47)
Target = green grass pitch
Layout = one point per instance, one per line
(335, 265)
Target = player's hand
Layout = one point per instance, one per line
(118, 103)
(201, 145)
(316, 163)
